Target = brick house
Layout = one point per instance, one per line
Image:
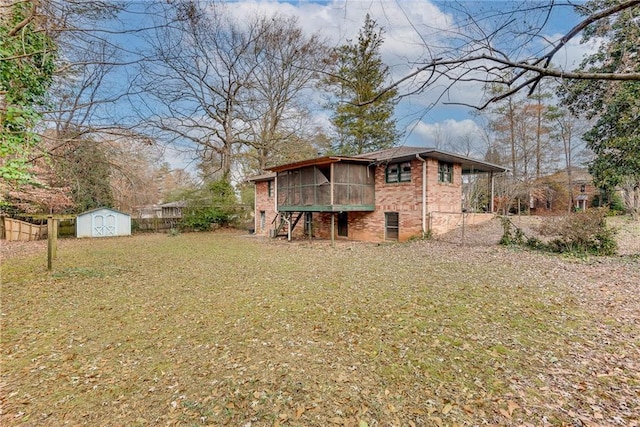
(392, 194)
(554, 194)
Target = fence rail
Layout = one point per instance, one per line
(15, 230)
(153, 225)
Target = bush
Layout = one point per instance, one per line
(511, 235)
(203, 217)
(583, 232)
(215, 206)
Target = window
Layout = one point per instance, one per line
(398, 172)
(445, 172)
(270, 188)
(391, 225)
(263, 220)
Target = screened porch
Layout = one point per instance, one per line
(332, 187)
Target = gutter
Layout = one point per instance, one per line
(424, 194)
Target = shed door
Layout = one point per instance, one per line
(103, 225)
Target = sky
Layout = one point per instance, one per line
(414, 31)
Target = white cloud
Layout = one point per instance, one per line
(415, 32)
(569, 57)
(460, 136)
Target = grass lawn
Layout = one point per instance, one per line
(215, 329)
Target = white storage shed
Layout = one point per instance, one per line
(103, 222)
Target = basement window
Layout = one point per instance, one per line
(445, 172)
(398, 172)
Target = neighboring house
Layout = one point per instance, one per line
(103, 222)
(148, 211)
(172, 209)
(392, 194)
(554, 194)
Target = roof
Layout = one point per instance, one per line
(319, 161)
(264, 177)
(398, 154)
(179, 204)
(104, 207)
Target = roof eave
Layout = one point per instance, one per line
(320, 161)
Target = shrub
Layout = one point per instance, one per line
(203, 217)
(583, 232)
(215, 205)
(511, 235)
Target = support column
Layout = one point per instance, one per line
(333, 221)
(492, 185)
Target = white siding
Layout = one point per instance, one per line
(103, 222)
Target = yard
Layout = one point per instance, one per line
(228, 329)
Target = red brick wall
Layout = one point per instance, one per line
(264, 203)
(404, 198)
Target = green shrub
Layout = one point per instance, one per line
(215, 205)
(203, 217)
(511, 235)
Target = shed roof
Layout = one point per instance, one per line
(104, 207)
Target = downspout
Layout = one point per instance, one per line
(275, 201)
(255, 209)
(424, 195)
(275, 193)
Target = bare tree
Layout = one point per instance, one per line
(489, 46)
(287, 63)
(196, 81)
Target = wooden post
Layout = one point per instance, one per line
(52, 240)
(333, 220)
(463, 217)
(56, 221)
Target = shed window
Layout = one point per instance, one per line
(398, 172)
(445, 172)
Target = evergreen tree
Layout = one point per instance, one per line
(363, 115)
(27, 63)
(614, 105)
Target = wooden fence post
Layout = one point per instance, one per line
(52, 240)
